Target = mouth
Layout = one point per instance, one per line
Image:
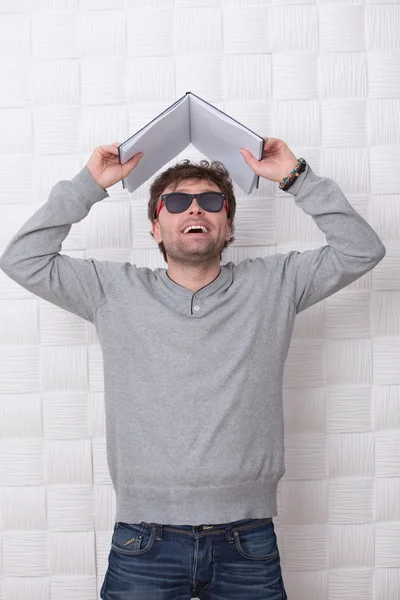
(195, 235)
(196, 229)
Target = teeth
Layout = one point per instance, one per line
(205, 230)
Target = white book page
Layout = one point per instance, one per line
(160, 141)
(220, 137)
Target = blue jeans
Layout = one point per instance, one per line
(234, 561)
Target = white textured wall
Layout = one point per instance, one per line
(324, 77)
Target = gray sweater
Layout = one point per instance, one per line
(193, 381)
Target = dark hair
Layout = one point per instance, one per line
(214, 172)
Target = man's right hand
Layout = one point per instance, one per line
(104, 165)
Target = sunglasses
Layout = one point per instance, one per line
(177, 202)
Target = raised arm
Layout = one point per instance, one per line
(353, 247)
(352, 250)
(32, 258)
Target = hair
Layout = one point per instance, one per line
(214, 172)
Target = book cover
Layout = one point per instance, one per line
(192, 120)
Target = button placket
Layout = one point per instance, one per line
(196, 304)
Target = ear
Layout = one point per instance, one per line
(155, 227)
(228, 230)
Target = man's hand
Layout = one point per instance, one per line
(104, 165)
(277, 160)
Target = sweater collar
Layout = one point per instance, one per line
(222, 281)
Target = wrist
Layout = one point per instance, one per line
(289, 180)
(287, 169)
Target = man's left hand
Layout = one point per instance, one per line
(277, 160)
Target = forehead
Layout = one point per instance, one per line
(193, 185)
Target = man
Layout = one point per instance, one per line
(193, 366)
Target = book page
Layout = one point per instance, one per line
(220, 137)
(160, 141)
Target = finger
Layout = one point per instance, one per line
(137, 155)
(134, 157)
(111, 148)
(131, 164)
(271, 142)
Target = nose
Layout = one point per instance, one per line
(194, 205)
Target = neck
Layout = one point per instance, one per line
(193, 277)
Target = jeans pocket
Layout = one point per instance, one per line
(133, 538)
(257, 543)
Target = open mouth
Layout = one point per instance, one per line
(198, 230)
(195, 234)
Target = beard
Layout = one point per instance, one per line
(193, 252)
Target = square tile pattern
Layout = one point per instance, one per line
(325, 78)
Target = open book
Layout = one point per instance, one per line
(192, 120)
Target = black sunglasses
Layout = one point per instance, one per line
(177, 202)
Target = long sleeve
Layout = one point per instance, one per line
(352, 250)
(32, 256)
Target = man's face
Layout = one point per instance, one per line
(192, 248)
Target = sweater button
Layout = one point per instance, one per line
(196, 307)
